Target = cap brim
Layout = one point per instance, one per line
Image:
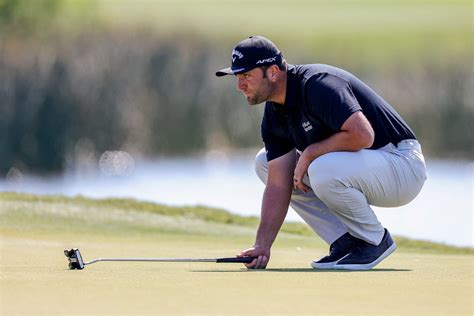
(224, 72)
(229, 71)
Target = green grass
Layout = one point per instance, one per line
(127, 217)
(34, 279)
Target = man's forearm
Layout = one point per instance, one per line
(275, 202)
(340, 141)
(356, 134)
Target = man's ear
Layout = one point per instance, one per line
(272, 72)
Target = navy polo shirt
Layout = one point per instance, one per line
(319, 99)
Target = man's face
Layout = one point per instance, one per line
(255, 87)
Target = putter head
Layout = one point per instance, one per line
(75, 259)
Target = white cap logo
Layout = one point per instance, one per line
(268, 60)
(235, 54)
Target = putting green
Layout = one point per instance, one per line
(34, 279)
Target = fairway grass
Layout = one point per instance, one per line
(35, 280)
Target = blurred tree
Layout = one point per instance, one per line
(26, 15)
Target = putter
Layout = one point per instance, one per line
(76, 262)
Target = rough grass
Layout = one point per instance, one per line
(128, 217)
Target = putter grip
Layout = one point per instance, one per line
(236, 260)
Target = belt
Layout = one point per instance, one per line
(409, 144)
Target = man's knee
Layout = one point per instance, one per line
(261, 165)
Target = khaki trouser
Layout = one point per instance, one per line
(345, 184)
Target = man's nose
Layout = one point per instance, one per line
(240, 84)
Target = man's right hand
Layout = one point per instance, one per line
(275, 202)
(262, 254)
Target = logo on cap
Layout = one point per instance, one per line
(268, 60)
(236, 53)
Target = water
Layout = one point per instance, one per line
(442, 212)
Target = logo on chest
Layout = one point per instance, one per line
(307, 126)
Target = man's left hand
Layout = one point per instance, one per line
(300, 171)
(262, 255)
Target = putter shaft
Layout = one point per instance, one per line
(152, 260)
(76, 262)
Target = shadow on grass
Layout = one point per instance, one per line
(278, 270)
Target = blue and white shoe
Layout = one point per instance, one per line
(338, 250)
(366, 256)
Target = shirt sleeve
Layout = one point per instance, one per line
(275, 146)
(331, 99)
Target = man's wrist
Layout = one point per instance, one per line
(309, 154)
(262, 245)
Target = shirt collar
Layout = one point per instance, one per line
(291, 98)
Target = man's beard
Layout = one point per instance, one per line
(256, 99)
(261, 95)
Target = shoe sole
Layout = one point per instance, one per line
(323, 266)
(366, 266)
(326, 265)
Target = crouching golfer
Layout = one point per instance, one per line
(333, 147)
